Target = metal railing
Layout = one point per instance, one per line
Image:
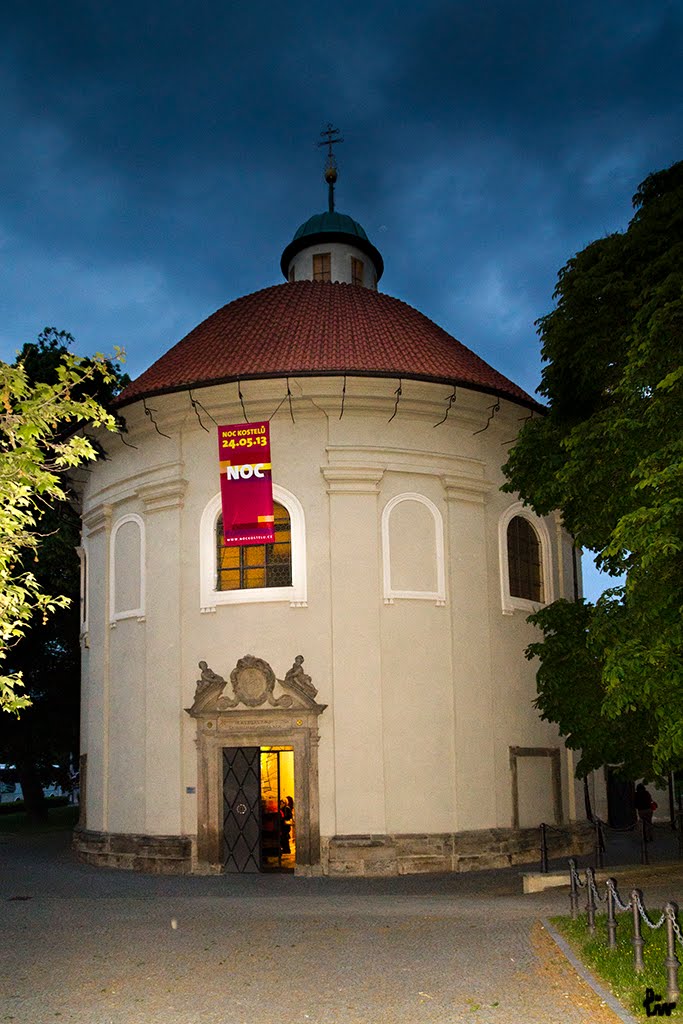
(601, 828)
(636, 906)
(543, 842)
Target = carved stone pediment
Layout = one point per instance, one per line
(253, 684)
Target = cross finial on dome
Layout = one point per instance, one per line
(331, 172)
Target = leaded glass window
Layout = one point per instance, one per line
(256, 565)
(524, 560)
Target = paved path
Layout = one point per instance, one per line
(91, 946)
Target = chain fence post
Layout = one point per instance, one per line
(611, 917)
(573, 890)
(679, 822)
(590, 902)
(637, 939)
(544, 849)
(671, 963)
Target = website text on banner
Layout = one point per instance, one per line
(246, 483)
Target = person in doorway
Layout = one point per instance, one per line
(285, 826)
(292, 824)
(645, 807)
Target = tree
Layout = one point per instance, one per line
(39, 441)
(42, 742)
(571, 694)
(609, 456)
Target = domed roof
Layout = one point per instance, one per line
(309, 328)
(331, 227)
(330, 221)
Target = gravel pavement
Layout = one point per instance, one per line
(94, 946)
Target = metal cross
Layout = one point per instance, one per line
(330, 131)
(331, 172)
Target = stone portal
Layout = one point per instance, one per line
(260, 711)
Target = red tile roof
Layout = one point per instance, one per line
(309, 328)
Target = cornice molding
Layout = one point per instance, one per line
(134, 484)
(350, 479)
(97, 518)
(423, 400)
(468, 489)
(162, 495)
(406, 460)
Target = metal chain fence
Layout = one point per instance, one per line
(636, 905)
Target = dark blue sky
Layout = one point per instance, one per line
(157, 157)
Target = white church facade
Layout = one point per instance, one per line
(369, 663)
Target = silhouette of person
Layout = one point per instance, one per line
(645, 808)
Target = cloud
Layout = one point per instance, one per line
(155, 164)
(142, 312)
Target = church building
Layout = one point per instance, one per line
(351, 697)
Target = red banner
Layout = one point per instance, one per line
(246, 483)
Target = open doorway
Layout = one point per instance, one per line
(278, 814)
(259, 817)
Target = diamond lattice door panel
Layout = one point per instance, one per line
(242, 808)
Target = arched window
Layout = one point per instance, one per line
(524, 560)
(127, 569)
(254, 572)
(256, 565)
(413, 550)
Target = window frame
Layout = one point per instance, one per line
(324, 275)
(244, 566)
(391, 595)
(127, 613)
(510, 604)
(295, 594)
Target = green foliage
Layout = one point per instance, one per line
(614, 967)
(43, 741)
(39, 441)
(571, 693)
(609, 455)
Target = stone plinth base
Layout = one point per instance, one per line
(457, 851)
(160, 855)
(350, 855)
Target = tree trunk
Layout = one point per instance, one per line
(34, 798)
(587, 798)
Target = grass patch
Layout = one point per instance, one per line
(615, 966)
(58, 819)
